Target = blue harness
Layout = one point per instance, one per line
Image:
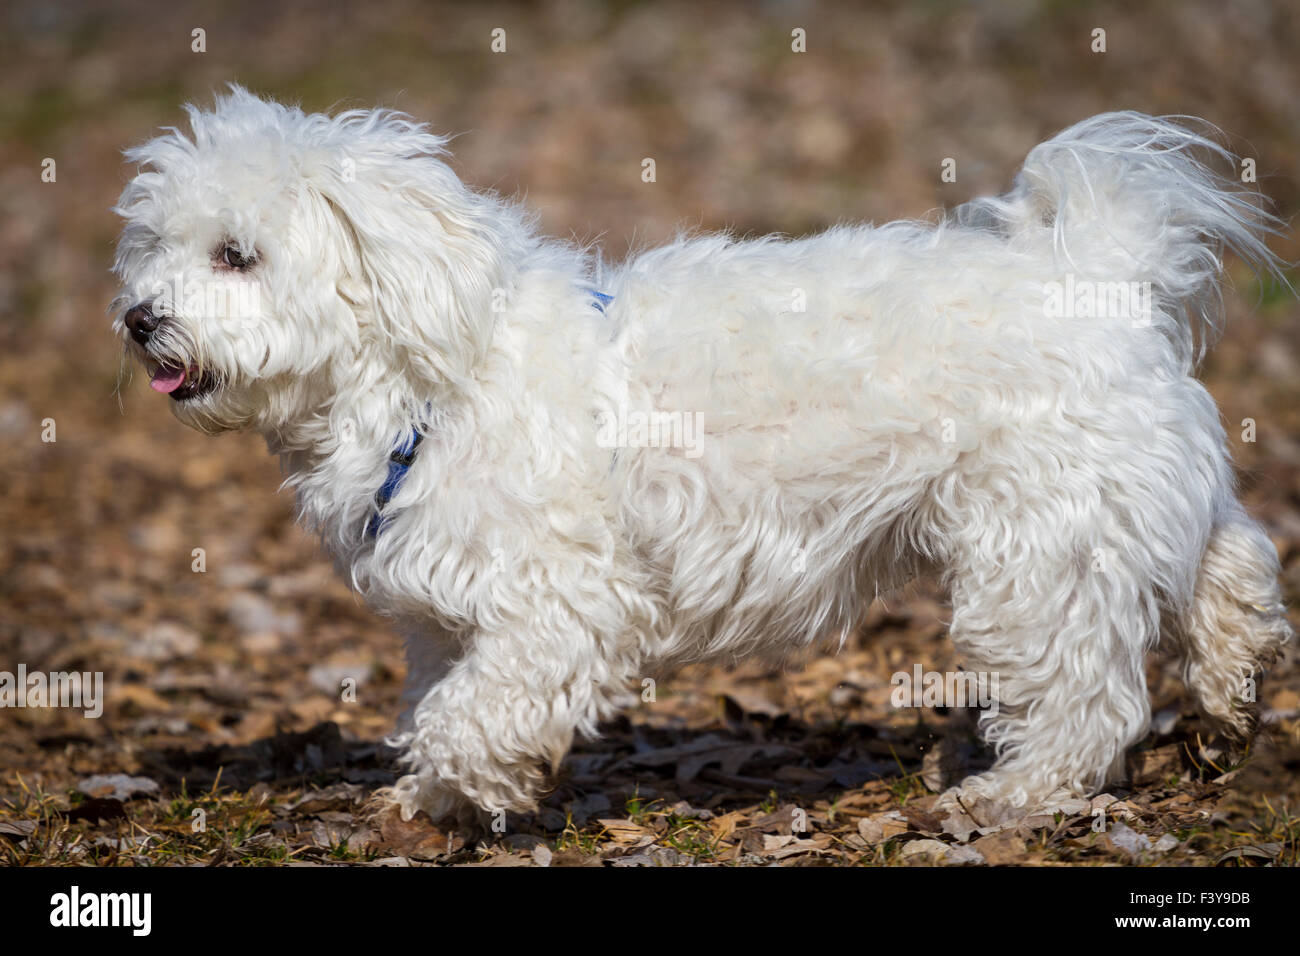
(399, 463)
(403, 454)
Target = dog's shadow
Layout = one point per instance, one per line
(318, 757)
(745, 758)
(740, 759)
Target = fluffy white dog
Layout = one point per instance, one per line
(561, 477)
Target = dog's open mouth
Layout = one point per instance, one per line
(180, 382)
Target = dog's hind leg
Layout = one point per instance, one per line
(1059, 626)
(1235, 625)
(1057, 568)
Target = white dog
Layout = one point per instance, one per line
(561, 478)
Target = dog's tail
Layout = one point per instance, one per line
(1125, 197)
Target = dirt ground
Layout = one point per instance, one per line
(223, 739)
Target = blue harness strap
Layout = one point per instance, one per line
(399, 463)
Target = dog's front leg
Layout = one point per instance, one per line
(505, 713)
(430, 654)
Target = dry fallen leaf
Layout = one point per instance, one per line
(880, 827)
(417, 838)
(118, 786)
(1155, 766)
(1001, 848)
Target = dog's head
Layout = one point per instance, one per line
(273, 260)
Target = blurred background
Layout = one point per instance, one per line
(220, 670)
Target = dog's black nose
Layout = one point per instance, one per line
(140, 322)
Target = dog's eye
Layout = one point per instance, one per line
(235, 259)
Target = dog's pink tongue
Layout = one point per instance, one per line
(167, 379)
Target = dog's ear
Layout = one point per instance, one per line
(426, 250)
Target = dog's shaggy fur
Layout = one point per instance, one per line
(871, 402)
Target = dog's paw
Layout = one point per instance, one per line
(994, 795)
(413, 793)
(975, 806)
